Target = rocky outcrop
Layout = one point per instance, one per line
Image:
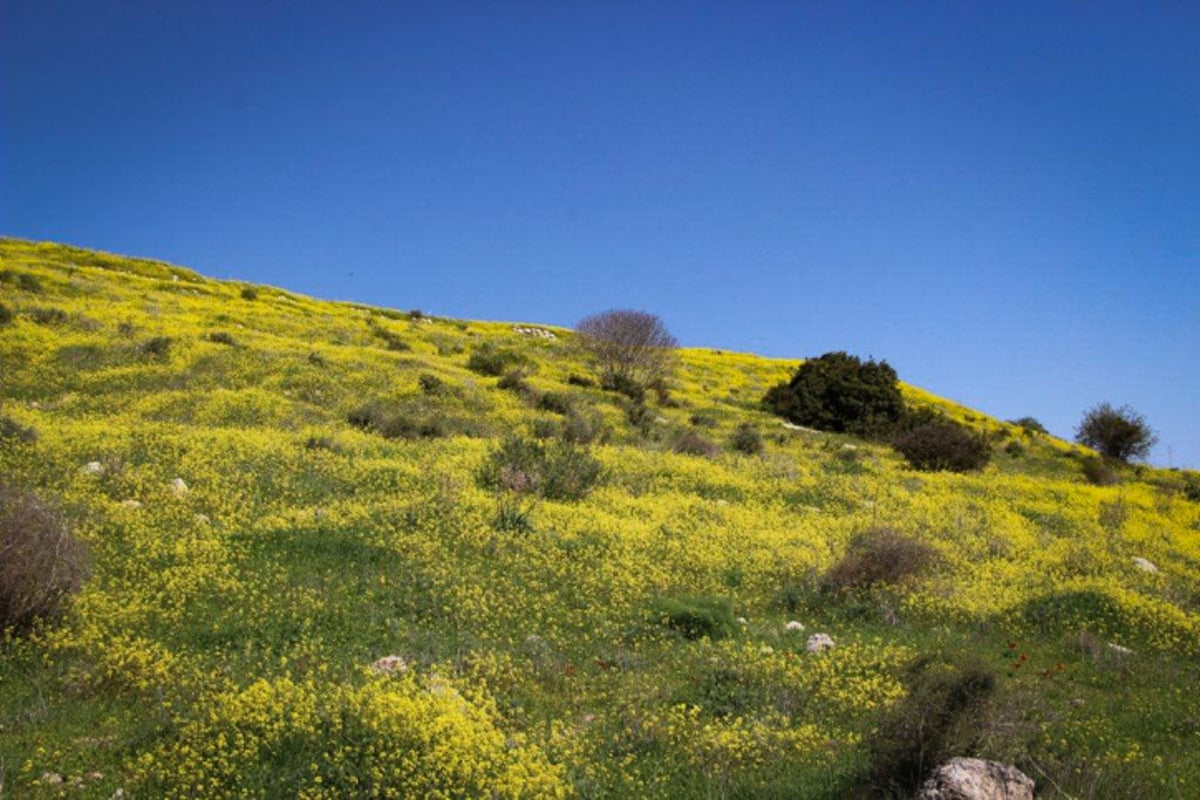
(976, 779)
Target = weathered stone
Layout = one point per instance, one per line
(1145, 565)
(819, 643)
(976, 779)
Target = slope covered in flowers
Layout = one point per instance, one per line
(253, 552)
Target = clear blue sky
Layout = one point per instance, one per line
(1002, 200)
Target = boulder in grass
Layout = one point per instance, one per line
(390, 665)
(178, 487)
(976, 779)
(819, 643)
(794, 626)
(1145, 565)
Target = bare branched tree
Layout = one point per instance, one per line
(630, 346)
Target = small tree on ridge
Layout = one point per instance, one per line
(630, 346)
(1119, 433)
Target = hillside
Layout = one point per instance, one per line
(277, 491)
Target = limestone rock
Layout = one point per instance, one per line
(178, 487)
(819, 643)
(93, 468)
(976, 779)
(794, 626)
(390, 665)
(1145, 565)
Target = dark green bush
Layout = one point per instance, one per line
(22, 280)
(555, 403)
(879, 557)
(702, 419)
(6, 314)
(556, 470)
(488, 359)
(1030, 425)
(41, 562)
(623, 384)
(391, 340)
(514, 381)
(316, 359)
(249, 293)
(11, 429)
(840, 393)
(1100, 472)
(1014, 449)
(746, 439)
(696, 617)
(156, 347)
(580, 380)
(397, 419)
(943, 446)
(221, 337)
(48, 316)
(431, 384)
(1118, 433)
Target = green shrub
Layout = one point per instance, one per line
(583, 427)
(490, 360)
(514, 381)
(316, 359)
(879, 557)
(702, 419)
(1014, 449)
(41, 562)
(690, 443)
(1100, 472)
(1030, 425)
(943, 446)
(11, 429)
(249, 293)
(580, 380)
(623, 384)
(158, 347)
(22, 280)
(395, 419)
(48, 316)
(392, 340)
(696, 617)
(746, 439)
(6, 314)
(1118, 433)
(555, 403)
(431, 384)
(840, 393)
(556, 470)
(221, 337)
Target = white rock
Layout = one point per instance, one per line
(390, 665)
(93, 468)
(179, 487)
(51, 778)
(1119, 650)
(976, 779)
(742, 621)
(794, 626)
(131, 504)
(1145, 565)
(203, 519)
(819, 643)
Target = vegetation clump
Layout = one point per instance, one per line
(395, 419)
(696, 617)
(41, 561)
(746, 439)
(1117, 433)
(1030, 426)
(222, 337)
(942, 716)
(556, 470)
(841, 393)
(6, 314)
(631, 348)
(493, 361)
(158, 347)
(11, 429)
(879, 557)
(690, 443)
(943, 446)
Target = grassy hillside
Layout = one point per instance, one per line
(222, 642)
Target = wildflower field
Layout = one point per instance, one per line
(589, 597)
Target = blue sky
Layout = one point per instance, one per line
(1002, 200)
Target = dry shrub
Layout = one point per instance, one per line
(41, 563)
(690, 443)
(879, 556)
